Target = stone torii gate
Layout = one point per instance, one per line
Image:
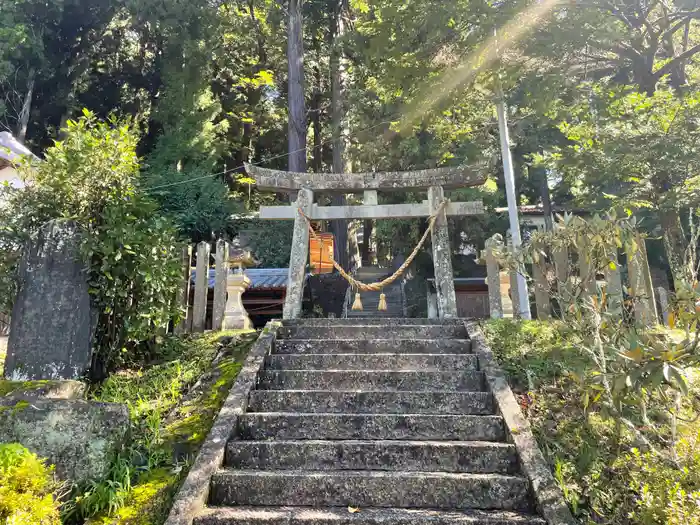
(306, 185)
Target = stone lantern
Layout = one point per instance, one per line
(235, 317)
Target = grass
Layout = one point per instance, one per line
(172, 403)
(605, 474)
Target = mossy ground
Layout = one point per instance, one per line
(173, 402)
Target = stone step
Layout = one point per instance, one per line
(457, 403)
(436, 490)
(403, 361)
(422, 456)
(381, 380)
(366, 516)
(375, 346)
(297, 425)
(373, 332)
(394, 321)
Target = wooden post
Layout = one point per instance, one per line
(219, 306)
(613, 282)
(493, 279)
(561, 268)
(442, 257)
(201, 287)
(185, 324)
(539, 274)
(640, 284)
(298, 257)
(514, 293)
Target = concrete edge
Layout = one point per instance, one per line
(548, 495)
(192, 496)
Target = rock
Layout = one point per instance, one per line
(51, 330)
(79, 437)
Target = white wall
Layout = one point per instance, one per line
(10, 175)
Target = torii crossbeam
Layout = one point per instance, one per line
(305, 184)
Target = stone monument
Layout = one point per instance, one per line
(51, 327)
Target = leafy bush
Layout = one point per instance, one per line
(92, 178)
(609, 473)
(26, 485)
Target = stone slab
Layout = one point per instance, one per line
(243, 515)
(79, 437)
(384, 380)
(51, 328)
(325, 401)
(364, 321)
(288, 425)
(398, 362)
(380, 211)
(451, 177)
(373, 332)
(370, 489)
(374, 346)
(409, 456)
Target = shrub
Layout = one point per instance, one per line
(26, 484)
(92, 178)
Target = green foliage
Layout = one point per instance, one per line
(26, 486)
(270, 241)
(606, 473)
(91, 178)
(199, 204)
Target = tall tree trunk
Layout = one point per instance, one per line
(26, 107)
(297, 106)
(337, 67)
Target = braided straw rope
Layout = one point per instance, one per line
(377, 287)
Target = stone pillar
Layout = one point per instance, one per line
(442, 257)
(185, 324)
(201, 287)
(298, 257)
(539, 274)
(493, 280)
(236, 317)
(640, 284)
(220, 284)
(613, 283)
(663, 301)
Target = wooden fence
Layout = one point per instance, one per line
(204, 310)
(565, 275)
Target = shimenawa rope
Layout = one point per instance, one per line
(378, 286)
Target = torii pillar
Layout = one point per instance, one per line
(307, 184)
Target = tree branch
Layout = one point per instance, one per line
(666, 68)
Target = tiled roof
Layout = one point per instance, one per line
(261, 278)
(267, 277)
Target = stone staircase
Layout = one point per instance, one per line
(356, 422)
(370, 300)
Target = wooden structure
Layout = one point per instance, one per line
(321, 253)
(304, 187)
